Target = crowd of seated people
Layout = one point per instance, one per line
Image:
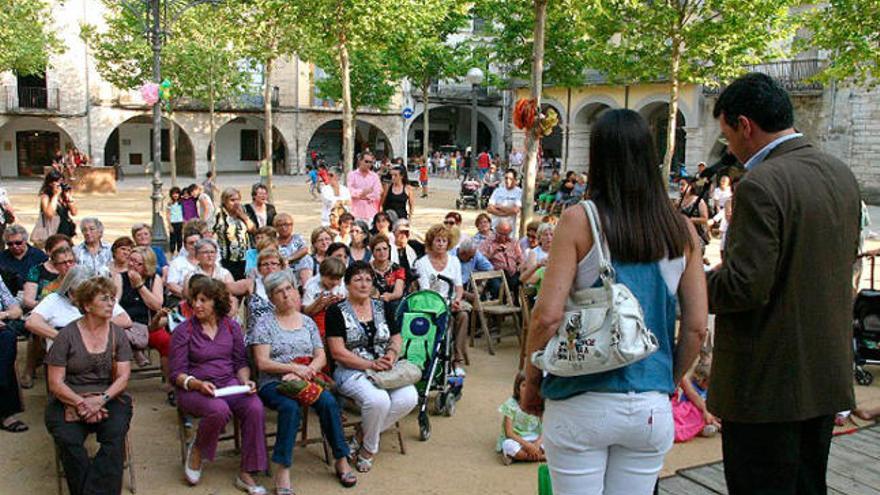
(244, 300)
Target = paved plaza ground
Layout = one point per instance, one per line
(458, 459)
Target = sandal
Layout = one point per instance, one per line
(363, 464)
(348, 478)
(284, 491)
(16, 426)
(249, 489)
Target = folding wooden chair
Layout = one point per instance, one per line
(525, 295)
(351, 406)
(499, 307)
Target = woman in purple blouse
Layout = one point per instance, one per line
(207, 354)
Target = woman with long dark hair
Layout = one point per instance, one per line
(623, 417)
(56, 200)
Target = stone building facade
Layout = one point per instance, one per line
(72, 106)
(843, 121)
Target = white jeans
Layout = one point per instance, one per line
(604, 443)
(380, 408)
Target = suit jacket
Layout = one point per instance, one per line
(783, 297)
(270, 213)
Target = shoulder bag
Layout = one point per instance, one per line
(603, 328)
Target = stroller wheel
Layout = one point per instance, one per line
(449, 408)
(424, 427)
(863, 376)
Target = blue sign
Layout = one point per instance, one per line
(407, 113)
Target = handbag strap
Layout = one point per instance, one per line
(606, 270)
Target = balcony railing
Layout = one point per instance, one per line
(794, 75)
(250, 100)
(457, 92)
(26, 99)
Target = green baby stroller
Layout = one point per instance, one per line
(424, 319)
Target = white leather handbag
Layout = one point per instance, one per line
(603, 327)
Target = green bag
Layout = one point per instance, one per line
(544, 485)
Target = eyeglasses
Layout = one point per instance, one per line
(15, 243)
(270, 263)
(286, 224)
(64, 262)
(204, 251)
(402, 232)
(449, 222)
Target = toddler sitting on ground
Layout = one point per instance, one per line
(521, 438)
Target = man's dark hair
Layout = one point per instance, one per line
(511, 171)
(757, 97)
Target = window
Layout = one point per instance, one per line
(166, 145)
(251, 149)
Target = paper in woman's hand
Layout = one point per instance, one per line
(232, 390)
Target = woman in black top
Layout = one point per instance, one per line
(56, 200)
(140, 293)
(398, 196)
(695, 209)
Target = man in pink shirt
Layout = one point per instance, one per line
(365, 187)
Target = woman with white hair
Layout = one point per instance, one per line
(93, 253)
(58, 309)
(206, 257)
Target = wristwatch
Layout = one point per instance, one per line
(105, 397)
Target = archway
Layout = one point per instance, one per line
(657, 115)
(579, 137)
(34, 142)
(327, 141)
(240, 146)
(551, 146)
(131, 144)
(450, 127)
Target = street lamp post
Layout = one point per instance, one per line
(475, 77)
(160, 237)
(152, 12)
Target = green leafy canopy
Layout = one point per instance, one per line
(26, 38)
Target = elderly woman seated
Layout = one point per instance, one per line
(361, 339)
(208, 354)
(288, 350)
(10, 396)
(89, 367)
(58, 309)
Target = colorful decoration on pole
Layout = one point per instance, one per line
(527, 116)
(165, 94)
(150, 93)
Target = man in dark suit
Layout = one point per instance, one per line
(782, 364)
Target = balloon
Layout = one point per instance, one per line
(150, 93)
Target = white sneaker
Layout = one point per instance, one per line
(459, 371)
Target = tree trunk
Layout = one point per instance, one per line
(673, 107)
(212, 132)
(172, 147)
(347, 114)
(267, 122)
(532, 142)
(425, 120)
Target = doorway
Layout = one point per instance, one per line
(35, 150)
